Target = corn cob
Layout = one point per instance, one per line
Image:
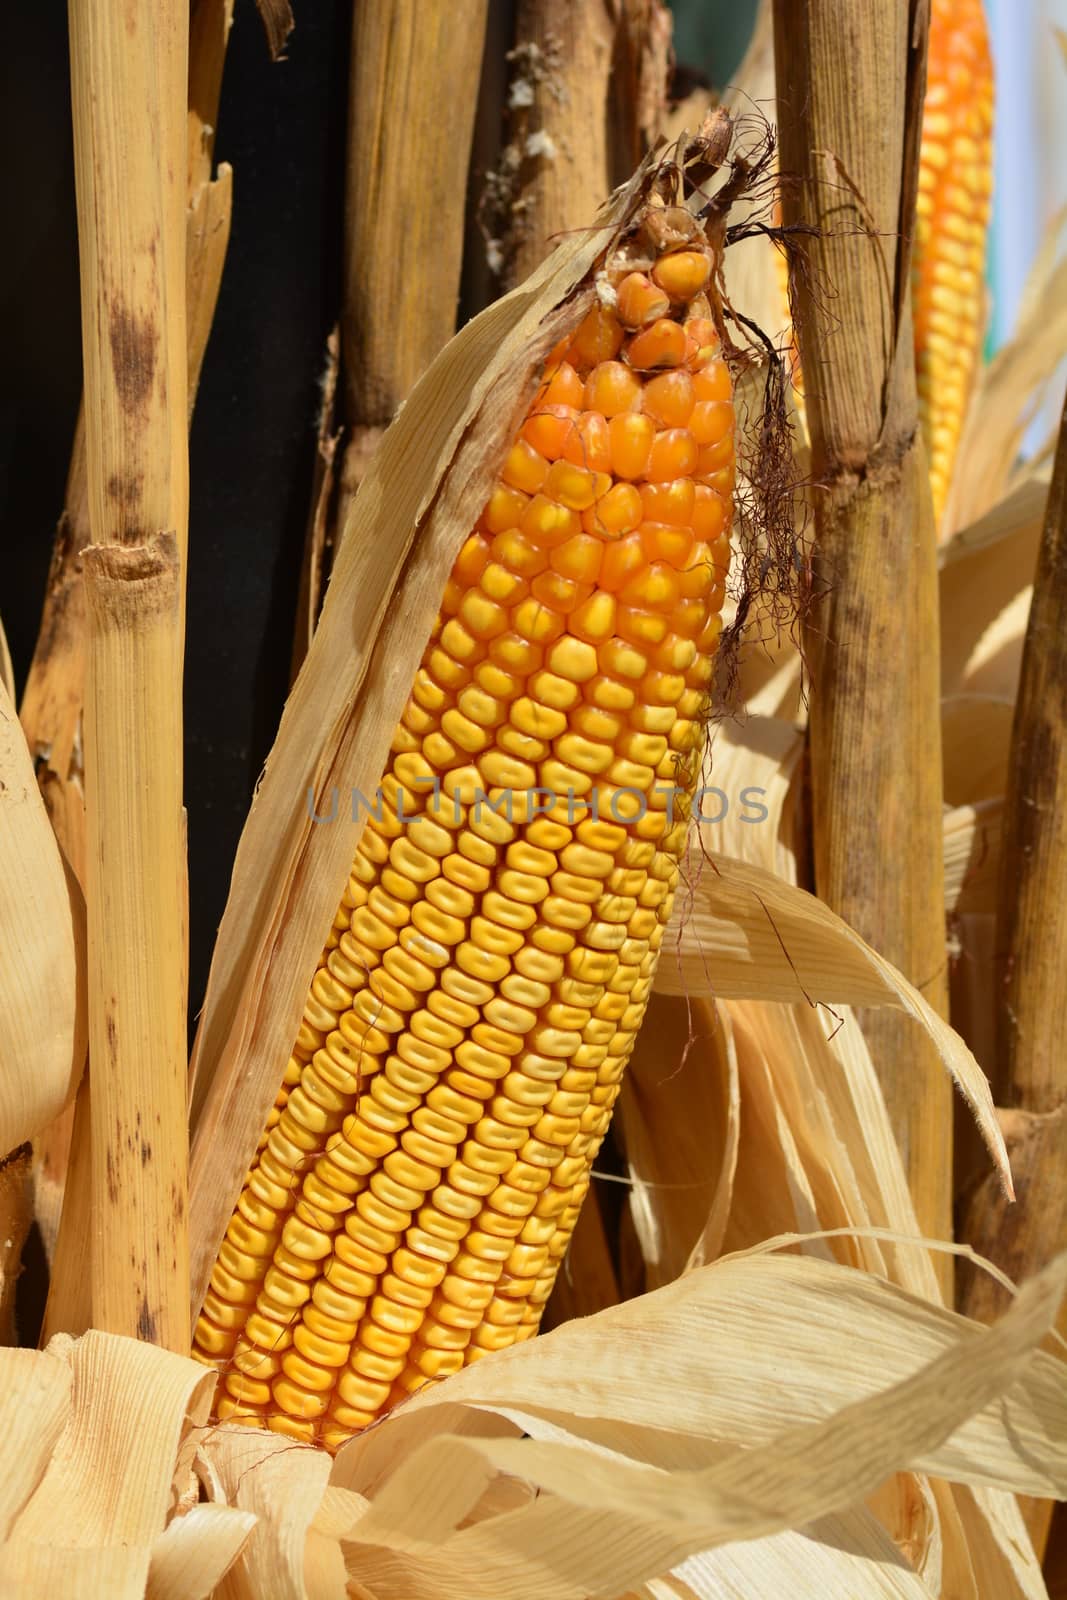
(955, 187)
(467, 1028)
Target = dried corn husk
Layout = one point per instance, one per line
(42, 974)
(634, 1422)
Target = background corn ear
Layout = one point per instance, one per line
(952, 218)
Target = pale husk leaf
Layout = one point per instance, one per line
(28, 1571)
(42, 975)
(282, 1484)
(987, 571)
(194, 1552)
(35, 1392)
(846, 1557)
(605, 1518)
(746, 934)
(110, 1479)
(679, 1116)
(972, 856)
(753, 766)
(975, 739)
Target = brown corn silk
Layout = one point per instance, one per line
(475, 1006)
(952, 216)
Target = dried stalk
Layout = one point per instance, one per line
(52, 705)
(413, 93)
(850, 85)
(1030, 1078)
(588, 89)
(128, 75)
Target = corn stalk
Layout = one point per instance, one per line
(1030, 1081)
(128, 75)
(850, 86)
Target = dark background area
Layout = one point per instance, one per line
(281, 126)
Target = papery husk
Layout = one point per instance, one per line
(972, 856)
(743, 933)
(98, 1498)
(986, 576)
(755, 1400)
(860, 1386)
(679, 1120)
(42, 936)
(282, 1488)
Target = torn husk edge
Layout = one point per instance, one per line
(421, 495)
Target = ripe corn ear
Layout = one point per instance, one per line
(955, 189)
(467, 1028)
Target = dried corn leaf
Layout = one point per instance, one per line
(98, 1429)
(745, 934)
(282, 1484)
(847, 1557)
(35, 1392)
(972, 857)
(110, 1479)
(986, 575)
(751, 792)
(29, 1571)
(975, 739)
(194, 1552)
(421, 495)
(631, 1438)
(678, 1114)
(42, 975)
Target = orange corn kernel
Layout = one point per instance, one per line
(611, 387)
(504, 508)
(564, 388)
(621, 559)
(549, 428)
(524, 467)
(702, 343)
(712, 382)
(575, 487)
(670, 398)
(712, 421)
(712, 457)
(672, 500)
(662, 542)
(547, 522)
(662, 344)
(631, 443)
(639, 301)
(682, 274)
(710, 513)
(598, 338)
(588, 444)
(579, 558)
(615, 513)
(673, 455)
(519, 553)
